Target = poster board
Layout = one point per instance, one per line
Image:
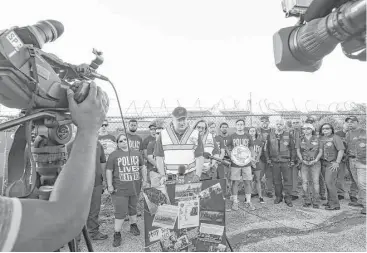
(185, 217)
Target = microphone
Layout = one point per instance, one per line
(209, 156)
(302, 48)
(181, 174)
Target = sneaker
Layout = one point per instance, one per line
(355, 204)
(322, 197)
(306, 204)
(363, 211)
(235, 206)
(316, 206)
(116, 239)
(134, 229)
(262, 200)
(98, 236)
(126, 219)
(269, 195)
(294, 197)
(353, 199)
(250, 206)
(340, 197)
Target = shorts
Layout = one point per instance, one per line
(241, 173)
(124, 205)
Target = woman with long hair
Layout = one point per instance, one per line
(124, 173)
(309, 154)
(332, 153)
(258, 167)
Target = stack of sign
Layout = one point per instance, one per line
(185, 217)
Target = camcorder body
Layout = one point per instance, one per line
(36, 82)
(26, 78)
(321, 26)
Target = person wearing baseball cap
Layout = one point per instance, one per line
(175, 146)
(309, 154)
(356, 151)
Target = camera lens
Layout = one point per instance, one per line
(43, 32)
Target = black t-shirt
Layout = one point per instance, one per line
(108, 142)
(126, 173)
(147, 140)
(135, 141)
(100, 158)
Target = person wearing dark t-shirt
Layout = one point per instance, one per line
(257, 166)
(152, 128)
(222, 170)
(239, 173)
(332, 154)
(95, 205)
(264, 132)
(152, 171)
(135, 141)
(124, 179)
(344, 168)
(107, 140)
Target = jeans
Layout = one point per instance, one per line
(295, 180)
(330, 180)
(340, 179)
(95, 207)
(282, 169)
(353, 191)
(268, 171)
(358, 170)
(313, 171)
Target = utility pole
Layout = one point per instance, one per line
(250, 105)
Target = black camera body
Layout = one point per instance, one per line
(321, 26)
(26, 77)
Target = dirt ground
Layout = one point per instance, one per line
(269, 228)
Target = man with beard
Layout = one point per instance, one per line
(211, 147)
(177, 145)
(281, 154)
(356, 150)
(222, 170)
(151, 162)
(108, 141)
(296, 133)
(264, 132)
(135, 141)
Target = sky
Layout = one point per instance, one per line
(196, 52)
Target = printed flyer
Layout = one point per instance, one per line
(155, 197)
(211, 232)
(158, 234)
(166, 216)
(187, 191)
(188, 213)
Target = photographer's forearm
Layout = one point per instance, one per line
(103, 167)
(77, 177)
(109, 177)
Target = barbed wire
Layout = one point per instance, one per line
(263, 106)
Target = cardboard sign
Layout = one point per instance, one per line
(192, 219)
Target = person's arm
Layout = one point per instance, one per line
(340, 147)
(109, 171)
(299, 155)
(102, 160)
(159, 156)
(267, 149)
(150, 152)
(292, 149)
(48, 225)
(199, 158)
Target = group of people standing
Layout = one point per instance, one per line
(276, 156)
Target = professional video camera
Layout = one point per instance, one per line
(36, 82)
(322, 25)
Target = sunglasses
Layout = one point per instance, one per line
(105, 125)
(122, 140)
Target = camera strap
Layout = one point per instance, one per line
(33, 67)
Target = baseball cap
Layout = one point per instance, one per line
(308, 125)
(153, 123)
(179, 112)
(353, 118)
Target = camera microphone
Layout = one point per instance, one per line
(99, 76)
(303, 48)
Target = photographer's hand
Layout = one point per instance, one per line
(90, 113)
(44, 225)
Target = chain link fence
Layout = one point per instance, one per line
(335, 119)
